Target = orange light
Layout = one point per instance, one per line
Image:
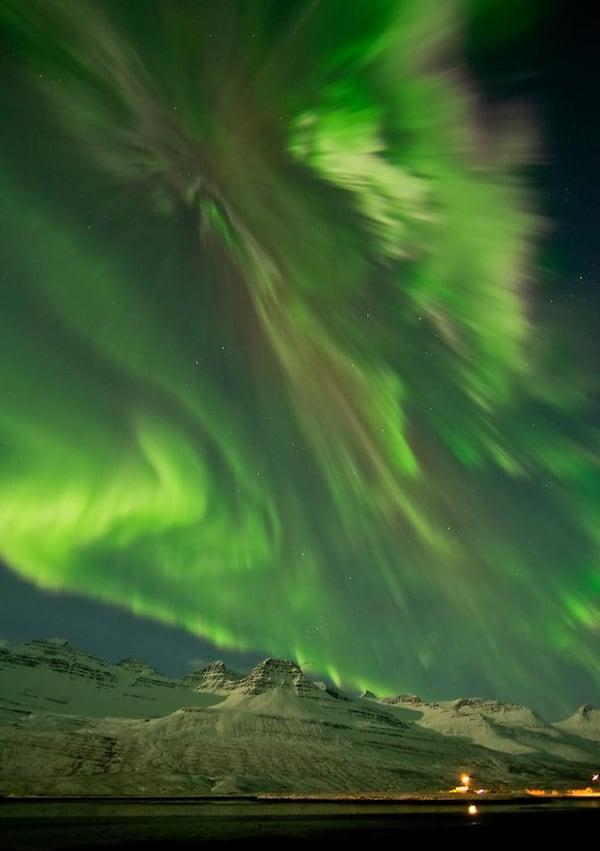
(465, 779)
(472, 810)
(588, 792)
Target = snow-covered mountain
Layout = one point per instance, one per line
(53, 676)
(73, 724)
(504, 727)
(585, 722)
(214, 679)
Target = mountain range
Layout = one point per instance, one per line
(72, 724)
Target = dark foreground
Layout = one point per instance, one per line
(49, 825)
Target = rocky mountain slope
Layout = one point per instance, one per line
(53, 676)
(72, 724)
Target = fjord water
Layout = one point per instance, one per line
(54, 825)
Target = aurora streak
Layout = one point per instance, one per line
(275, 367)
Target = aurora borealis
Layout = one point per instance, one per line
(283, 357)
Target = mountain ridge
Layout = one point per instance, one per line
(218, 679)
(73, 724)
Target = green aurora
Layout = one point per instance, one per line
(275, 366)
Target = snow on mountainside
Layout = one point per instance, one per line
(214, 679)
(278, 687)
(500, 726)
(72, 724)
(585, 722)
(51, 675)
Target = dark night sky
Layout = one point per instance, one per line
(299, 339)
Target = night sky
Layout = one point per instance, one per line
(299, 339)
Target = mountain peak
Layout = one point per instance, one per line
(215, 678)
(273, 724)
(585, 711)
(273, 673)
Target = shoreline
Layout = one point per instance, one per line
(459, 799)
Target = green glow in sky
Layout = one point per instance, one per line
(273, 363)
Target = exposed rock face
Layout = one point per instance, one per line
(215, 678)
(409, 699)
(282, 673)
(146, 676)
(59, 656)
(587, 714)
